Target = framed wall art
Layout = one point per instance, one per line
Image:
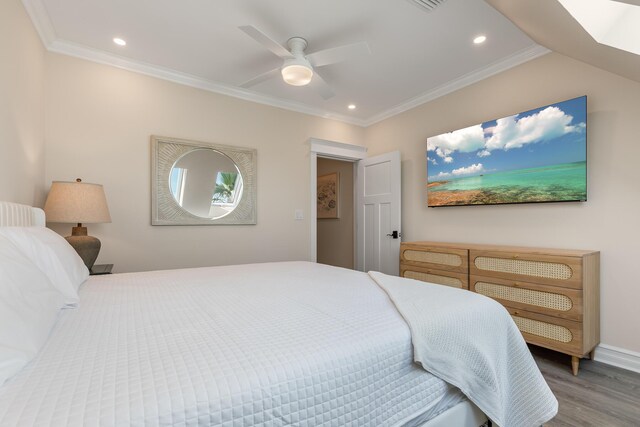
(328, 196)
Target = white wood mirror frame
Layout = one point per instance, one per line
(165, 210)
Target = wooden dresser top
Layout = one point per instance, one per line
(520, 249)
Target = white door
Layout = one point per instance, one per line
(378, 213)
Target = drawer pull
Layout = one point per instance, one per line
(516, 313)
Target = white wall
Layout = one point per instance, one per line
(98, 123)
(22, 70)
(609, 221)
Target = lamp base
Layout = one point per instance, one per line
(88, 247)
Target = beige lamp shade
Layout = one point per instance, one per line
(76, 202)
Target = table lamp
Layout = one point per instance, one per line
(78, 202)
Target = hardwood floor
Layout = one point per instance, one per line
(601, 395)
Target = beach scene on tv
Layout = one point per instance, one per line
(536, 156)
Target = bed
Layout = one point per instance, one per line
(272, 344)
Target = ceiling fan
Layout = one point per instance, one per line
(298, 68)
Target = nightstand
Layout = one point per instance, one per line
(100, 269)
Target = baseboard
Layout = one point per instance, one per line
(619, 357)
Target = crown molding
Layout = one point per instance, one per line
(106, 58)
(40, 18)
(42, 22)
(475, 76)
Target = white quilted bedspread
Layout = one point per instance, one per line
(276, 344)
(494, 369)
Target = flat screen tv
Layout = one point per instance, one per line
(532, 157)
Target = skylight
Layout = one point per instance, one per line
(609, 22)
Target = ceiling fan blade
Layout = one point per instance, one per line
(321, 86)
(266, 41)
(338, 54)
(261, 78)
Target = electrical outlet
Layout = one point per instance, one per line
(299, 215)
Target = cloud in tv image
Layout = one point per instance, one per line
(536, 156)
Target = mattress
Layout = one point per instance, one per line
(273, 344)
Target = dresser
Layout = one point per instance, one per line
(551, 294)
(441, 263)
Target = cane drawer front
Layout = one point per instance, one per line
(551, 332)
(563, 271)
(553, 301)
(440, 258)
(439, 277)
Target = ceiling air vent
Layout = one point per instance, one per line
(428, 5)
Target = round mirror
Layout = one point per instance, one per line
(206, 183)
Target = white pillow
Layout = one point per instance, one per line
(52, 254)
(29, 307)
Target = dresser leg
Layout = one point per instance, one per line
(575, 364)
(592, 353)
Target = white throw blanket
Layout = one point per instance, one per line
(491, 363)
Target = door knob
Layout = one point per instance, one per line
(394, 234)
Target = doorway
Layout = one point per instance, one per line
(377, 195)
(336, 212)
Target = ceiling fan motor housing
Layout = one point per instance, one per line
(297, 45)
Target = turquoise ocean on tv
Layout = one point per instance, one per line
(559, 182)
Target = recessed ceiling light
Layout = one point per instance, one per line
(480, 39)
(119, 41)
(351, 106)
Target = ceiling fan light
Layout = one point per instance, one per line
(297, 72)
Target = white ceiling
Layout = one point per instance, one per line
(552, 26)
(416, 55)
